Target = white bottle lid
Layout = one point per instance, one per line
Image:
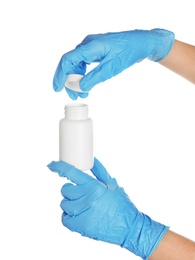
(73, 82)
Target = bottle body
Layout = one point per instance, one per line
(76, 137)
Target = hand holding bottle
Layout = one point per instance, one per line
(98, 208)
(114, 52)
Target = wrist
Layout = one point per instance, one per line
(144, 236)
(160, 42)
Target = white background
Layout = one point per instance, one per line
(143, 124)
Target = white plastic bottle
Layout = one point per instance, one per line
(76, 137)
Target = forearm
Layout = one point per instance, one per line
(181, 60)
(174, 247)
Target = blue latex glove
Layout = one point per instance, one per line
(114, 52)
(98, 208)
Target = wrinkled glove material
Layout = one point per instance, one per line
(114, 52)
(96, 207)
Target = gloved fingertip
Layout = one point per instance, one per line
(72, 94)
(73, 97)
(51, 166)
(85, 84)
(61, 167)
(54, 167)
(83, 95)
(85, 87)
(57, 87)
(65, 218)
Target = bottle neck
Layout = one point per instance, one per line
(76, 111)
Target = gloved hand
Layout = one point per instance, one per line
(114, 52)
(98, 208)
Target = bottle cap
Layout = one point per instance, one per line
(73, 82)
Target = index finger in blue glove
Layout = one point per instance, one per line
(70, 172)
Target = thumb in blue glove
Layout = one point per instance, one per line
(98, 208)
(114, 52)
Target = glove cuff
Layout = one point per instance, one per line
(161, 42)
(145, 236)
